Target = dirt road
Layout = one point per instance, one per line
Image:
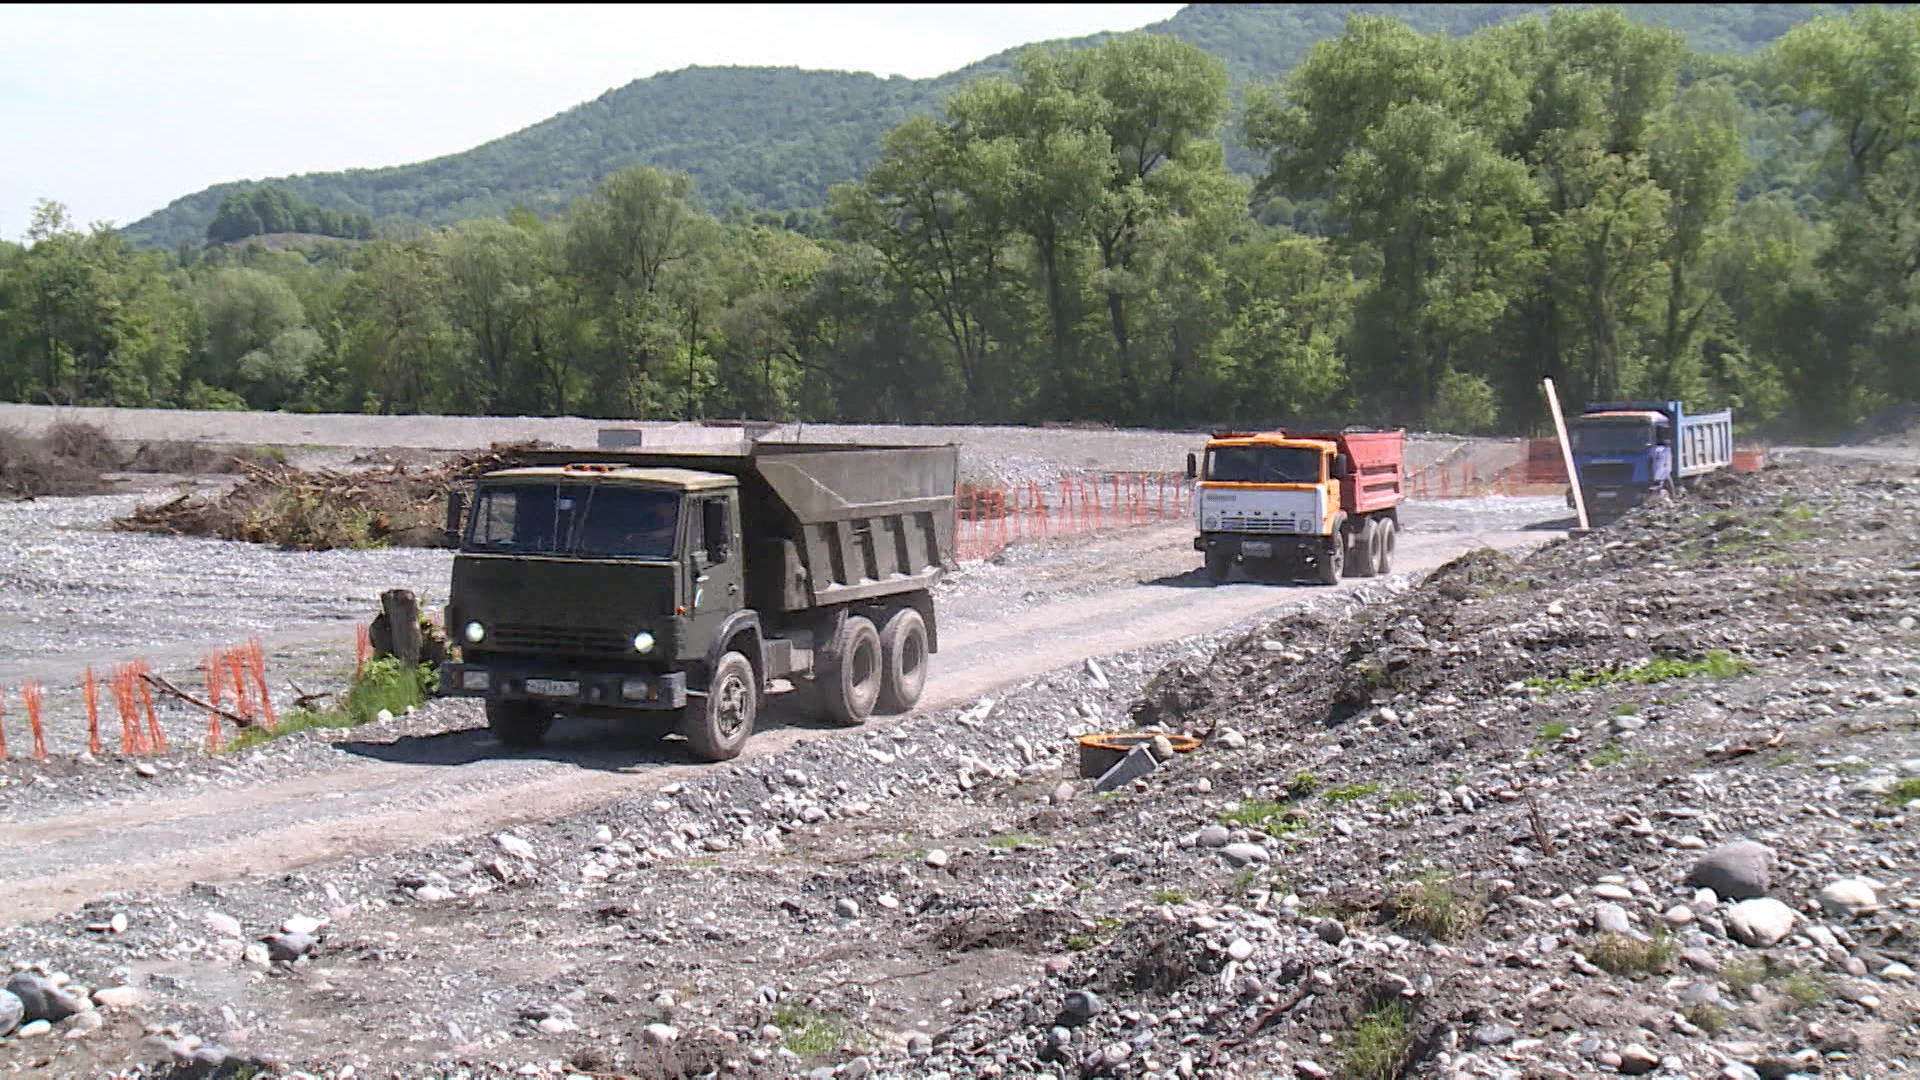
(1031, 614)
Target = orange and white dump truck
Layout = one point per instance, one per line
(1290, 504)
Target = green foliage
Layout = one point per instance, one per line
(1276, 819)
(1903, 791)
(1715, 665)
(383, 684)
(1172, 896)
(1351, 792)
(1464, 404)
(1437, 905)
(1381, 1044)
(1625, 955)
(812, 1033)
(1452, 200)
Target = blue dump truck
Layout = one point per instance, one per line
(1625, 451)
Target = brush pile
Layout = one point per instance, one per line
(322, 509)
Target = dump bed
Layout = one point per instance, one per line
(1378, 475)
(1703, 443)
(824, 523)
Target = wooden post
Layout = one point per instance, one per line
(1566, 454)
(402, 610)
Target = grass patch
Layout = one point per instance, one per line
(1624, 955)
(1382, 1043)
(1010, 841)
(812, 1032)
(1552, 730)
(1804, 987)
(1401, 798)
(384, 684)
(1611, 754)
(1434, 905)
(1742, 974)
(1276, 819)
(1350, 792)
(1904, 792)
(1303, 785)
(1711, 1019)
(1715, 665)
(1172, 896)
(1626, 708)
(1079, 942)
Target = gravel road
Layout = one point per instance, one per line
(1032, 611)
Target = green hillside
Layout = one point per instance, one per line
(777, 138)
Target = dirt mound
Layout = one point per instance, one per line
(32, 467)
(317, 510)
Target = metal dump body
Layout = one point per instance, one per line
(824, 523)
(1376, 481)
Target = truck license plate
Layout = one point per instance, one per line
(553, 687)
(1259, 549)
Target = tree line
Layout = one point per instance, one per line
(1441, 221)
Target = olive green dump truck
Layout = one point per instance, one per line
(671, 588)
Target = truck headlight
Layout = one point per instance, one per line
(474, 633)
(475, 680)
(643, 642)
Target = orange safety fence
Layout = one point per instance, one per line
(992, 518)
(236, 686)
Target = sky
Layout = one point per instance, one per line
(116, 110)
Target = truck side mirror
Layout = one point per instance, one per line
(1193, 467)
(456, 509)
(1342, 467)
(715, 527)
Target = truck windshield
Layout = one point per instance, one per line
(1611, 438)
(606, 521)
(1264, 465)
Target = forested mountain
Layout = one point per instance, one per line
(777, 138)
(1435, 221)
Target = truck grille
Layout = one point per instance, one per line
(1607, 475)
(1246, 523)
(558, 639)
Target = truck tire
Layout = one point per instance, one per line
(1219, 567)
(850, 676)
(903, 661)
(1364, 558)
(519, 724)
(1332, 560)
(1388, 532)
(718, 724)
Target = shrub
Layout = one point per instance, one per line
(1382, 1043)
(1464, 404)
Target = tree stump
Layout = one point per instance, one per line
(396, 630)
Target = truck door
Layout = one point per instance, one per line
(715, 562)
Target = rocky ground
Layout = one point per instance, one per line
(1641, 802)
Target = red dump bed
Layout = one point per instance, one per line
(1377, 474)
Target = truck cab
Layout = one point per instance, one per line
(591, 587)
(1293, 502)
(1626, 451)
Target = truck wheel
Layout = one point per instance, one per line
(1388, 532)
(1365, 554)
(518, 723)
(850, 676)
(1219, 567)
(1332, 560)
(903, 661)
(717, 725)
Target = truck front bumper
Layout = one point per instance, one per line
(1261, 546)
(561, 688)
